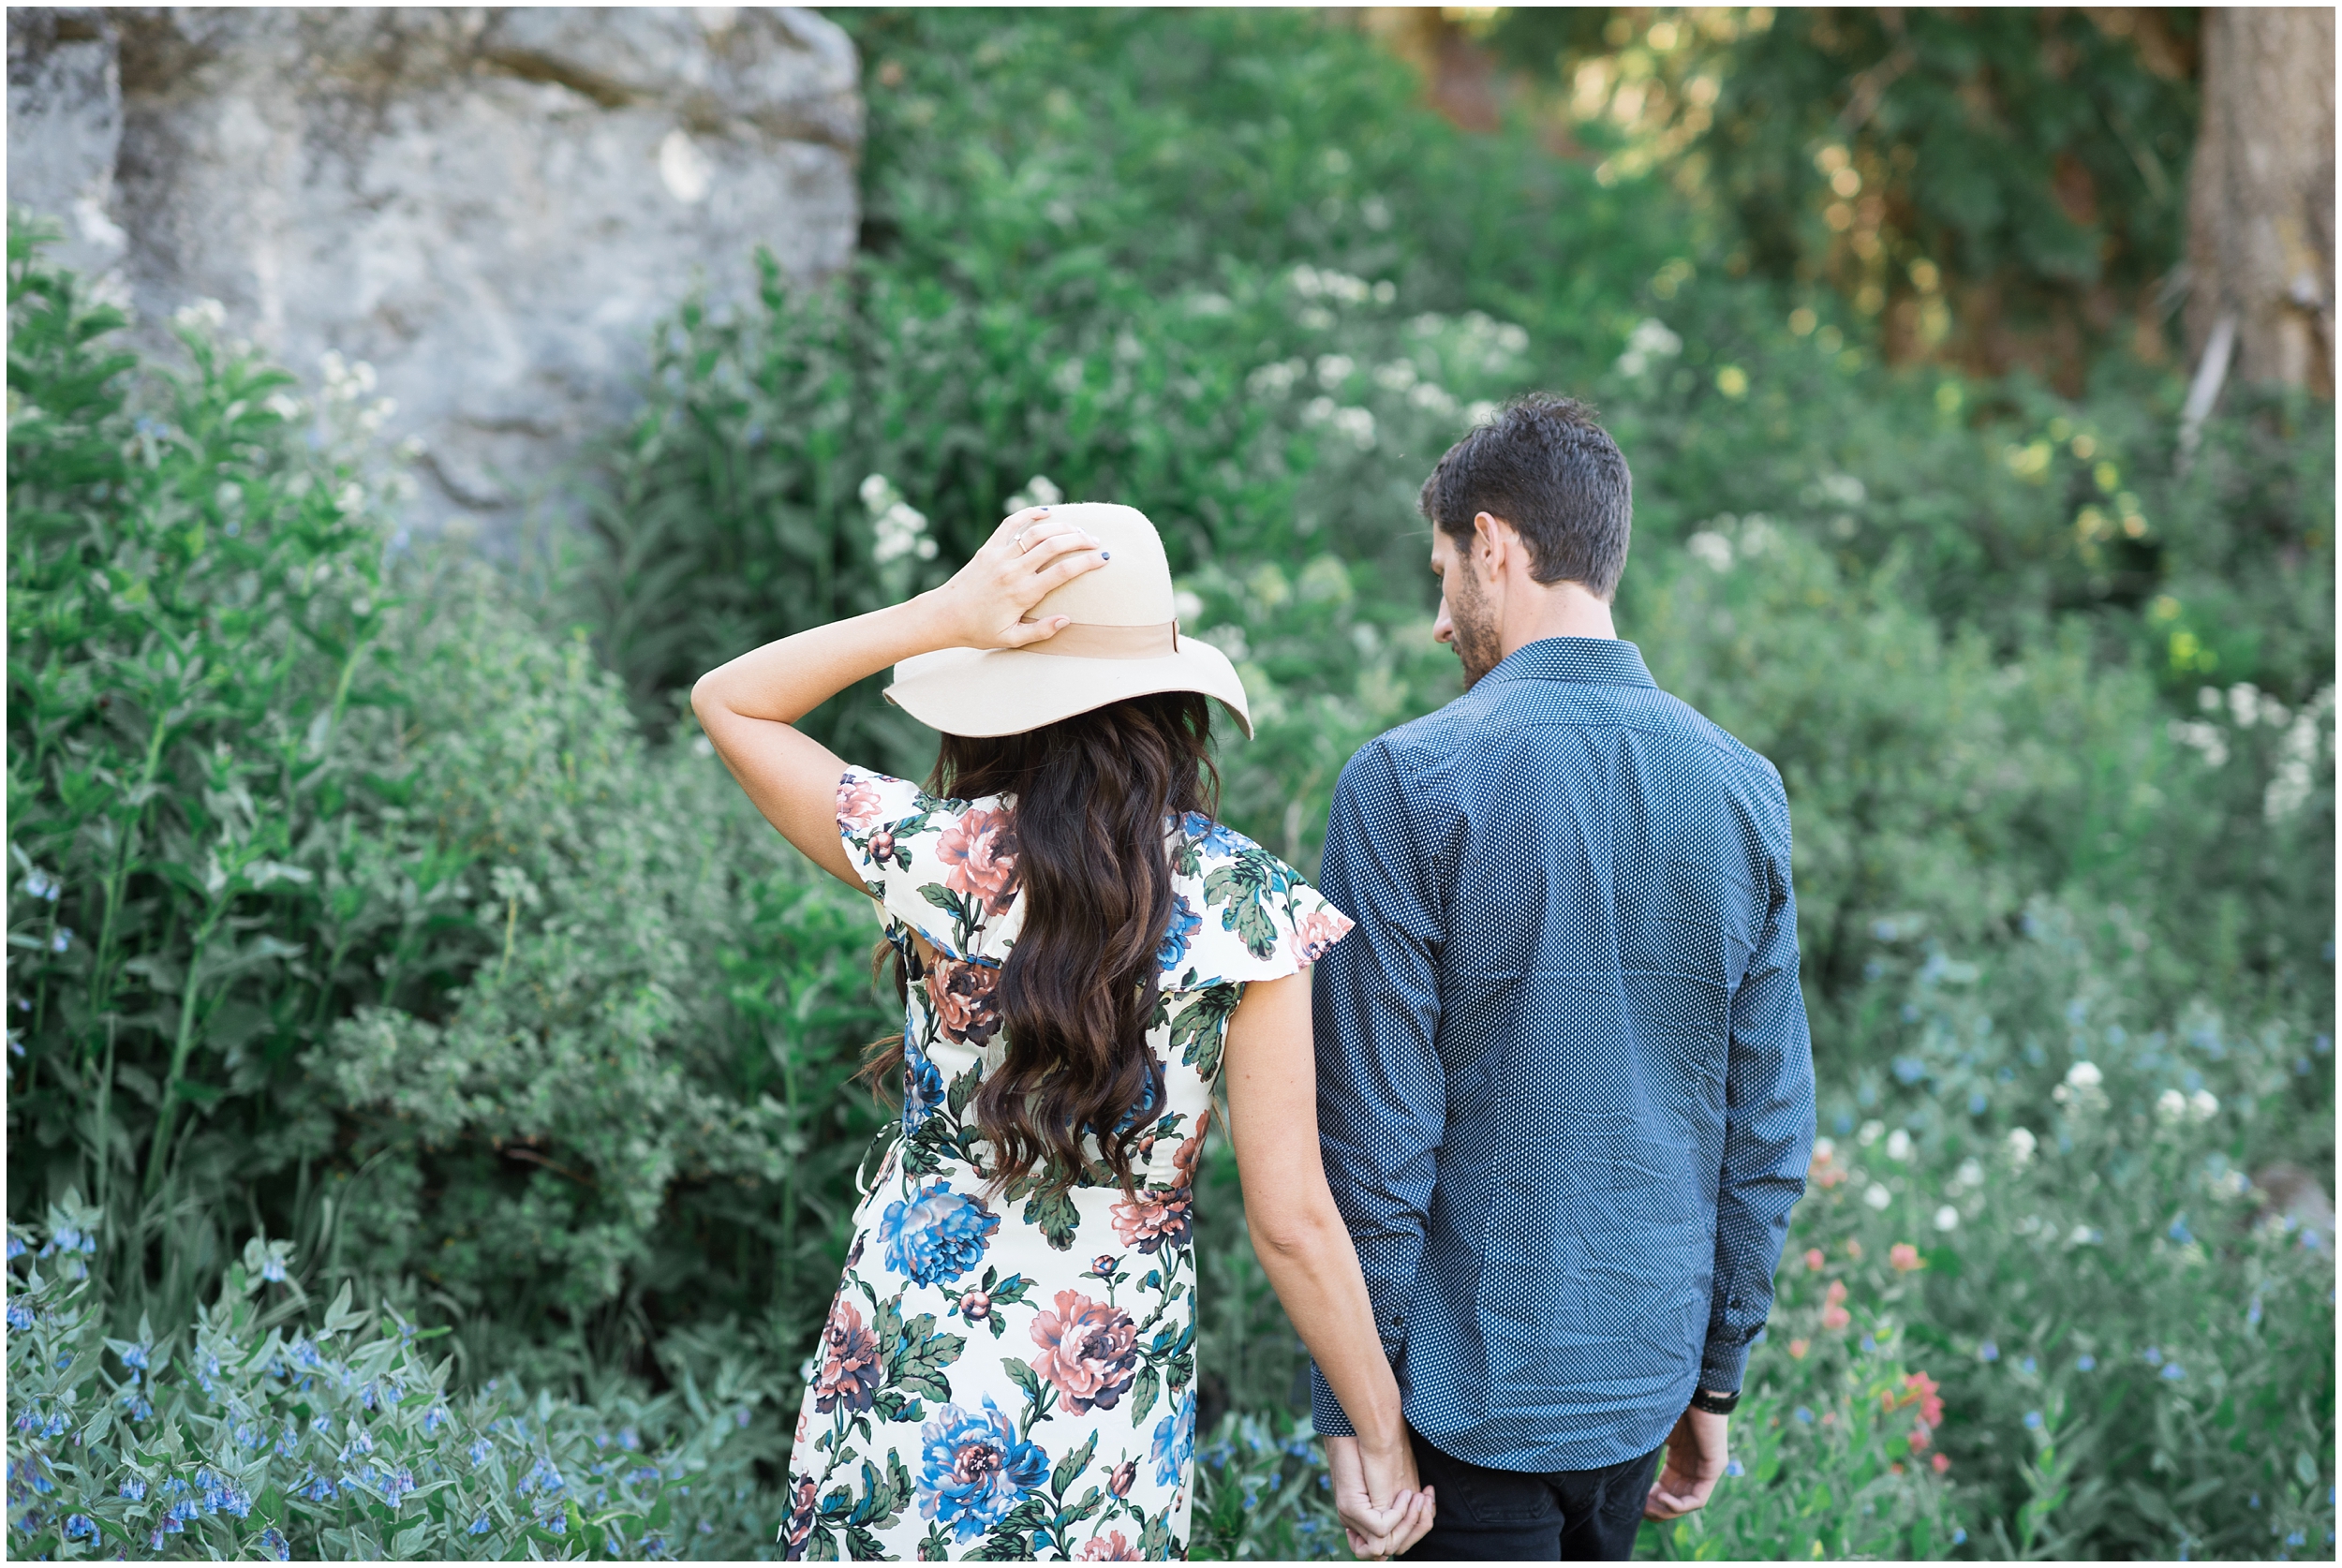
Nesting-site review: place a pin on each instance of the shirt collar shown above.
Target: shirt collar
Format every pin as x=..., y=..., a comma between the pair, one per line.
x=1587, y=661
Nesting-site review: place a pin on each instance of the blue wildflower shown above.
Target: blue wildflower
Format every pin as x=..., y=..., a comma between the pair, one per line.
x=1734, y=1467
x=435, y=1418
x=272, y=1542
x=80, y=1527
x=478, y=1526
x=628, y=1439
x=1802, y=1415
x=1958, y=1536
x=134, y=1356
x=2174, y=1372
x=20, y=1316
x=134, y=1489
x=2252, y=1314
x=2033, y=1420
x=15, y=1247
x=273, y=1269
x=1988, y=1351
x=2152, y=1355
x=2029, y=1365
x=480, y=1450
x=2085, y=1363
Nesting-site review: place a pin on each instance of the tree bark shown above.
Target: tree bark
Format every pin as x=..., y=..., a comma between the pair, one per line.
x=2260, y=194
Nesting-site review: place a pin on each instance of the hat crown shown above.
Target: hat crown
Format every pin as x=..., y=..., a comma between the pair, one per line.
x=1133, y=588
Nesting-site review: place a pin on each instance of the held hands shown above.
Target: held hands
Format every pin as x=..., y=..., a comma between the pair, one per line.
x=1376, y=1492
x=985, y=602
x=1696, y=1460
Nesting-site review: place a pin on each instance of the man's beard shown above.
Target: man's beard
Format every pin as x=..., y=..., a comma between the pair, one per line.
x=1472, y=627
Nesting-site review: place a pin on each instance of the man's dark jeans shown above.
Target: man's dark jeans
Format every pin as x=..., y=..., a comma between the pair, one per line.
x=1493, y=1516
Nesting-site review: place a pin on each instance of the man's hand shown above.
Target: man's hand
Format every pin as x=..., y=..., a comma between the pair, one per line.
x=1694, y=1463
x=1404, y=1513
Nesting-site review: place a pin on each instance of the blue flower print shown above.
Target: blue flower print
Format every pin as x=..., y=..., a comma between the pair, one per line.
x=1175, y=1442
x=922, y=1083
x=1212, y=839
x=937, y=1237
x=1185, y=923
x=973, y=1469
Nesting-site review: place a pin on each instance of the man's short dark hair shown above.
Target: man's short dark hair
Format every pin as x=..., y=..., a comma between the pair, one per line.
x=1545, y=466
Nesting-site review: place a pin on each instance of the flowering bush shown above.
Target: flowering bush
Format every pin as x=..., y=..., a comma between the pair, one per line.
x=271, y=1431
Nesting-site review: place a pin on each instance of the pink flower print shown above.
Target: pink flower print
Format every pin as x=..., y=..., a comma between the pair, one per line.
x=1124, y=1475
x=975, y=1306
x=961, y=996
x=859, y=803
x=979, y=848
x=1317, y=931
x=1110, y=1548
x=848, y=1373
x=1904, y=1258
x=1089, y=1352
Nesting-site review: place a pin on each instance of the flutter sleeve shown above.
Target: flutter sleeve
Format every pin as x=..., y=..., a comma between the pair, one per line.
x=1242, y=914
x=946, y=868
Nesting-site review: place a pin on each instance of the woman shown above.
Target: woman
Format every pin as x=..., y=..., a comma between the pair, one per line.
x=1007, y=1369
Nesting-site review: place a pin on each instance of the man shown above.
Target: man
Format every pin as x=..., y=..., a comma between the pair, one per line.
x=1564, y=1087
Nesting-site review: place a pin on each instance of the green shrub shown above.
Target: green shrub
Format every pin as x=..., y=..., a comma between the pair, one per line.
x=349, y=909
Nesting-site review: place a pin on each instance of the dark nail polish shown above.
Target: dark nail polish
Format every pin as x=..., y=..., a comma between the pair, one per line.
x=1106, y=554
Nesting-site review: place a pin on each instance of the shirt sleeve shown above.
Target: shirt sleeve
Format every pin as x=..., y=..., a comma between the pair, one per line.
x=1768, y=1132
x=891, y=830
x=1382, y=1093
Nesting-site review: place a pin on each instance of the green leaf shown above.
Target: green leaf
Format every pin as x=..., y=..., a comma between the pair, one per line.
x=1143, y=1391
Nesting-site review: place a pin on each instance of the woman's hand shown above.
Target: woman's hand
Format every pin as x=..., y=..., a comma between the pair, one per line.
x=985, y=602
x=1382, y=1509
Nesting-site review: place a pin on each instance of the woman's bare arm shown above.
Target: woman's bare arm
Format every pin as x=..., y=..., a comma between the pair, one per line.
x=749, y=707
x=1304, y=1248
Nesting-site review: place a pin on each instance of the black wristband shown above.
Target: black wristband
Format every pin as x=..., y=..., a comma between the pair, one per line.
x=1715, y=1404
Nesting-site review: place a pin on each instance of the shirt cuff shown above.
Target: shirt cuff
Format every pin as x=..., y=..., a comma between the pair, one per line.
x=1722, y=1366
x=1325, y=1410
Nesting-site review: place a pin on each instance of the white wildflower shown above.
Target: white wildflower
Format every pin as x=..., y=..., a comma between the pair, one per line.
x=1872, y=1132
x=1039, y=492
x=1877, y=1196
x=1333, y=370
x=900, y=528
x=2171, y=1104
x=1480, y=413
x=1432, y=398
x=1650, y=340
x=1898, y=1145
x=2205, y=739
x=2084, y=1076
x=1358, y=424
x=1395, y=377
x=1970, y=1173
x=2297, y=758
x=2204, y=1104
x=2022, y=1144
x=1274, y=380
x=1947, y=1219
x=1711, y=548
x=206, y=316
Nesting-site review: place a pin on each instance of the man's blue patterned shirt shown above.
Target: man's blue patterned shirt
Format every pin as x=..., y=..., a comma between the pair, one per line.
x=1565, y=1085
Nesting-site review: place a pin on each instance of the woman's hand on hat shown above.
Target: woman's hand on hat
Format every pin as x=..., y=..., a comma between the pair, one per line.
x=1028, y=555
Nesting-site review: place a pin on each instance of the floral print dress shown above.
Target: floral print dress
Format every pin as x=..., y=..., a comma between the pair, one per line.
x=1011, y=1374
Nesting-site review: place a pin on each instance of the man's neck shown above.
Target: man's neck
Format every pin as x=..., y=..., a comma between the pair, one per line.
x=1535, y=611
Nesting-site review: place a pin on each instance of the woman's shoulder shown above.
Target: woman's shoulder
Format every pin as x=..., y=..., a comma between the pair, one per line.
x=1238, y=913
x=943, y=865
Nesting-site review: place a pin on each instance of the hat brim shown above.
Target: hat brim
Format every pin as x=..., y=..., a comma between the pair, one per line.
x=1006, y=692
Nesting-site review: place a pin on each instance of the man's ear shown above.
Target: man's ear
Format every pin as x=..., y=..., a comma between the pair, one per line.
x=1497, y=537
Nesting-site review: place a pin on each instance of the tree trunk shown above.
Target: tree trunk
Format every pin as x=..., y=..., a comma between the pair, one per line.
x=2261, y=197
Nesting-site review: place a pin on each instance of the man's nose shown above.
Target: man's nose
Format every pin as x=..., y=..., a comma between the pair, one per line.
x=1443, y=628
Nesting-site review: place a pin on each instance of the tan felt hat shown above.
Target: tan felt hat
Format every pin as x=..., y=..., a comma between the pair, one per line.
x=1125, y=640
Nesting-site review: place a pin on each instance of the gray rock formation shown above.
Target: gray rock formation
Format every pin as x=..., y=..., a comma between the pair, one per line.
x=490, y=206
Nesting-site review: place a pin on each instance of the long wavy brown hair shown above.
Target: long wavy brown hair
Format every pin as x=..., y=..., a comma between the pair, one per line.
x=1089, y=798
